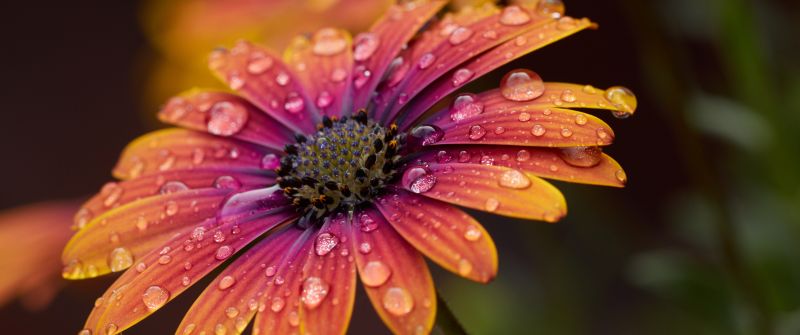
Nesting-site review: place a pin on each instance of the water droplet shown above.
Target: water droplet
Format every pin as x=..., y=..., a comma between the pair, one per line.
x=120, y=259
x=366, y=223
x=154, y=297
x=325, y=243
x=270, y=271
x=428, y=134
x=259, y=63
x=568, y=96
x=476, y=132
x=581, y=156
x=418, y=180
x=521, y=85
x=523, y=155
x=231, y=312
x=362, y=75
x=398, y=301
x=472, y=234
x=112, y=192
x=465, y=106
x=364, y=248
x=459, y=35
x=226, y=282
x=566, y=23
x=226, y=119
x=85, y=332
x=111, y=329
x=223, y=252
x=375, y=274
x=172, y=187
x=164, y=259
x=491, y=204
x=499, y=130
x=227, y=183
x=338, y=75
x=464, y=267
x=282, y=79
x=219, y=237
x=294, y=103
x=514, y=16
x=328, y=42
x=566, y=132
x=581, y=119
x=171, y=208
x=235, y=81
x=514, y=179
x=551, y=8
x=623, y=99
x=270, y=162
x=464, y=156
x=399, y=71
x=461, y=76
x=426, y=60
x=589, y=89
x=365, y=46
x=324, y=99
x=220, y=329
x=277, y=304
x=621, y=176
x=314, y=292
x=524, y=117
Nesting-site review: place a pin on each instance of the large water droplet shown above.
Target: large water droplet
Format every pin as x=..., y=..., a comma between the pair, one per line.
x=226, y=119
x=398, y=301
x=514, y=179
x=427, y=134
x=366, y=45
x=418, y=180
x=328, y=42
x=325, y=243
x=154, y=297
x=375, y=274
x=314, y=292
x=465, y=106
x=514, y=16
x=581, y=156
x=521, y=85
x=623, y=99
x=120, y=259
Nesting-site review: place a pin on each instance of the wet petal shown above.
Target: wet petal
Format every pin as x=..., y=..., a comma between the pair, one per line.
x=494, y=189
x=179, y=149
x=118, y=237
x=541, y=35
x=253, y=203
x=444, y=233
x=227, y=115
x=324, y=65
x=261, y=77
x=394, y=274
x=231, y=310
x=166, y=272
x=594, y=168
x=392, y=32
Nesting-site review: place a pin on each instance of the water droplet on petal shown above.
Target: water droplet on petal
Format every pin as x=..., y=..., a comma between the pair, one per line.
x=464, y=156
x=581, y=156
x=338, y=75
x=461, y=76
x=112, y=192
x=172, y=187
x=294, y=103
x=227, y=183
x=282, y=79
x=623, y=99
x=325, y=243
x=566, y=23
x=472, y=234
x=398, y=301
x=459, y=35
x=418, y=180
x=314, y=292
x=523, y=155
x=171, y=208
x=568, y=96
x=111, y=329
x=277, y=304
x=365, y=46
x=324, y=99
x=476, y=132
x=514, y=16
x=223, y=252
x=465, y=106
x=524, y=117
x=551, y=8
x=364, y=248
x=566, y=132
x=514, y=179
x=428, y=134
x=581, y=119
x=120, y=259
x=154, y=297
x=491, y=204
x=226, y=282
x=621, y=176
x=85, y=332
x=226, y=119
x=426, y=60
x=464, y=267
x=328, y=42
x=521, y=85
x=375, y=274
x=361, y=76
x=366, y=223
x=259, y=63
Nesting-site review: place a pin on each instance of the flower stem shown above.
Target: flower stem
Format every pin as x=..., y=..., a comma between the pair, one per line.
x=446, y=322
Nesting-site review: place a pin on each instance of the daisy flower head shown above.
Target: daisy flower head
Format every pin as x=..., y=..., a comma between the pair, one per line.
x=333, y=162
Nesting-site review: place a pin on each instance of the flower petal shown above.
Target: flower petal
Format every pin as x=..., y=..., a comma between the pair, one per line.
x=540, y=36
x=180, y=149
x=324, y=65
x=577, y=165
x=394, y=274
x=444, y=233
x=391, y=32
x=166, y=272
x=113, y=240
x=261, y=77
x=231, y=310
x=524, y=124
x=225, y=114
x=488, y=188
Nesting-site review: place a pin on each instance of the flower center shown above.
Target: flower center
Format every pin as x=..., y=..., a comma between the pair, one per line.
x=346, y=162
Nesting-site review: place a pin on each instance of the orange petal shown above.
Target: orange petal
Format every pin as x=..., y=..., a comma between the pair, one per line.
x=166, y=272
x=577, y=165
x=115, y=239
x=231, y=310
x=494, y=189
x=444, y=233
x=394, y=274
x=179, y=149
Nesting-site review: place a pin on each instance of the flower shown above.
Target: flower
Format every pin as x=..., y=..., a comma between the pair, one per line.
x=328, y=164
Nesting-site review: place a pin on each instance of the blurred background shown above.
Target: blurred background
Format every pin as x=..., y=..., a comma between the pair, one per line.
x=704, y=240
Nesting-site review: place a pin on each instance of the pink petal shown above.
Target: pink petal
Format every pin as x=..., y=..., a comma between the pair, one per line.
x=226, y=115
x=324, y=65
x=392, y=32
x=488, y=188
x=113, y=240
x=490, y=60
x=166, y=272
x=594, y=168
x=179, y=149
x=232, y=309
x=261, y=77
x=444, y=233
x=394, y=274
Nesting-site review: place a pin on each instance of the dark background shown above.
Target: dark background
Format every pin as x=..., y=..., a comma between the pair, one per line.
x=703, y=240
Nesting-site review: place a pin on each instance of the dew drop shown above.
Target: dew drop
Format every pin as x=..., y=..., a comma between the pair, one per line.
x=566, y=23
x=282, y=79
x=173, y=187
x=324, y=99
x=418, y=180
x=524, y=117
x=551, y=8
x=112, y=192
x=226, y=282
x=277, y=304
x=325, y=243
x=270, y=162
x=365, y=46
x=154, y=297
x=223, y=252
x=568, y=96
x=398, y=301
x=111, y=329
x=623, y=99
x=459, y=35
x=523, y=155
x=580, y=119
x=461, y=76
x=464, y=267
x=338, y=75
x=521, y=85
x=270, y=271
x=464, y=156
x=476, y=132
x=621, y=176
x=231, y=312
x=514, y=179
x=227, y=183
x=364, y=248
x=581, y=156
x=366, y=223
x=428, y=134
x=514, y=16
x=375, y=274
x=120, y=259
x=426, y=60
x=491, y=204
x=294, y=103
x=566, y=132
x=362, y=75
x=171, y=208
x=465, y=106
x=314, y=292
x=472, y=234
x=226, y=119
x=259, y=63
x=328, y=42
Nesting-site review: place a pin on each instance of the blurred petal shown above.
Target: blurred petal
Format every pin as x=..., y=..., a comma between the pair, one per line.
x=324, y=64
x=115, y=239
x=179, y=149
x=231, y=310
x=540, y=36
x=394, y=274
x=166, y=272
x=444, y=233
x=261, y=77
x=494, y=189
x=225, y=114
x=391, y=32
x=31, y=239
x=577, y=165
